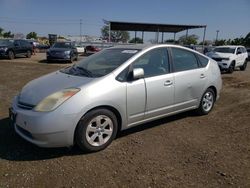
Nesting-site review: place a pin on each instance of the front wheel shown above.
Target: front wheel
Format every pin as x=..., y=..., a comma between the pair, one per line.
x=244, y=66
x=11, y=55
x=207, y=102
x=28, y=55
x=96, y=130
x=231, y=68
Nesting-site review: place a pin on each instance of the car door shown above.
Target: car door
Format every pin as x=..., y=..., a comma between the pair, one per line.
x=239, y=57
x=158, y=83
x=17, y=47
x=190, y=79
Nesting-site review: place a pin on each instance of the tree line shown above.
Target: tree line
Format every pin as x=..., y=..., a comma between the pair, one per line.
x=8, y=34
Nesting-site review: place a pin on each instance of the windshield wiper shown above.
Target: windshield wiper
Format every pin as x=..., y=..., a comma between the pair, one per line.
x=83, y=70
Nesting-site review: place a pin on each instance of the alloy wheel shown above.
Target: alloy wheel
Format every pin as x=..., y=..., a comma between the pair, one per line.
x=99, y=130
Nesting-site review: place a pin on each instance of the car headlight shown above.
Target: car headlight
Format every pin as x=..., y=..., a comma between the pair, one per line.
x=67, y=52
x=4, y=48
x=54, y=100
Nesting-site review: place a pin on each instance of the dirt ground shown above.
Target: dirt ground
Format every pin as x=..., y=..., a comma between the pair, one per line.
x=180, y=151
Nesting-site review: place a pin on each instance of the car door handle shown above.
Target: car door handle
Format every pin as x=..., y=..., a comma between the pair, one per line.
x=202, y=76
x=168, y=83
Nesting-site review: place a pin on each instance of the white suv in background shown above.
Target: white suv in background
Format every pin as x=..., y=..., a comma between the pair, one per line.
x=230, y=57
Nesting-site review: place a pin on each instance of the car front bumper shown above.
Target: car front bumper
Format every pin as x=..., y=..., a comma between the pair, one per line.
x=62, y=57
x=44, y=129
x=224, y=64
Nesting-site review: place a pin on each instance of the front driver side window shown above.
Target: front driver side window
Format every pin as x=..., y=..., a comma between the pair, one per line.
x=154, y=62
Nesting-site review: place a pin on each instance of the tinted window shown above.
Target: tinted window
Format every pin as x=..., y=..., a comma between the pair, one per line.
x=62, y=45
x=203, y=60
x=183, y=60
x=154, y=62
x=225, y=50
x=24, y=43
x=5, y=42
x=243, y=50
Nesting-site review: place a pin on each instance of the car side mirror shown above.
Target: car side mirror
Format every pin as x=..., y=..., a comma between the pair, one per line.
x=138, y=73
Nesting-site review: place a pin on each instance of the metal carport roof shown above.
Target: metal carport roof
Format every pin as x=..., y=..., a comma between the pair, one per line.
x=151, y=27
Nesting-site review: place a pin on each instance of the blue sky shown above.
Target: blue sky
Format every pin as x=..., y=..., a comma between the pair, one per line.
x=230, y=17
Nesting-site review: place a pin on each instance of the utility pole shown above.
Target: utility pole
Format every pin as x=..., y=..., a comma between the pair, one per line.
x=217, y=33
x=80, y=30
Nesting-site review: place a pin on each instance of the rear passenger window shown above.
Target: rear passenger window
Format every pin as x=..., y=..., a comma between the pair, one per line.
x=183, y=60
x=203, y=60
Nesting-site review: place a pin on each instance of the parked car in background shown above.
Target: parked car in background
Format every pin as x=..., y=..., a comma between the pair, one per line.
x=91, y=50
x=248, y=53
x=230, y=57
x=113, y=90
x=11, y=48
x=62, y=51
x=80, y=48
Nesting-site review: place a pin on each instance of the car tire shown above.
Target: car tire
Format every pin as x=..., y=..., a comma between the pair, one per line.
x=244, y=66
x=28, y=55
x=231, y=68
x=207, y=102
x=71, y=59
x=96, y=130
x=11, y=55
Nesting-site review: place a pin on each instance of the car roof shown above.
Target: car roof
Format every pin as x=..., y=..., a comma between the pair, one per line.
x=143, y=46
x=229, y=46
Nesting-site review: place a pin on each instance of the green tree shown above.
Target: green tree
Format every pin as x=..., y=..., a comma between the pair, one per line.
x=8, y=35
x=31, y=35
x=170, y=41
x=247, y=40
x=220, y=42
x=116, y=36
x=238, y=41
x=1, y=32
x=136, y=40
x=187, y=40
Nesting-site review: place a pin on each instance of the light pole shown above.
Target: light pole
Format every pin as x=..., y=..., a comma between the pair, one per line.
x=80, y=30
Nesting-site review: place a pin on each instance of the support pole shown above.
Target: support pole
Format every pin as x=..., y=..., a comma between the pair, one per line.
x=186, y=34
x=174, y=37
x=204, y=36
x=142, y=36
x=162, y=36
x=109, y=32
x=80, y=30
x=135, y=37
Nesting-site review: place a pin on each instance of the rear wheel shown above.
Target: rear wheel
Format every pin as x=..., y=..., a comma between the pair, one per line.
x=71, y=59
x=231, y=67
x=207, y=102
x=244, y=66
x=96, y=130
x=11, y=55
x=28, y=55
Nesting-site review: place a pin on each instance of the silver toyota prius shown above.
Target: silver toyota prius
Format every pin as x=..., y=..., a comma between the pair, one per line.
x=115, y=89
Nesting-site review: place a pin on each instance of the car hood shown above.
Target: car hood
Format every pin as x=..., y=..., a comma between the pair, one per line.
x=59, y=49
x=36, y=90
x=219, y=55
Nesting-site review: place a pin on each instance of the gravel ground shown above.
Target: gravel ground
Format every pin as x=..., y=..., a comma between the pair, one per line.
x=180, y=151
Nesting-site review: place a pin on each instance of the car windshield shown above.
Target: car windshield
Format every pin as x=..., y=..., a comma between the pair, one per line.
x=102, y=63
x=5, y=42
x=225, y=50
x=62, y=45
